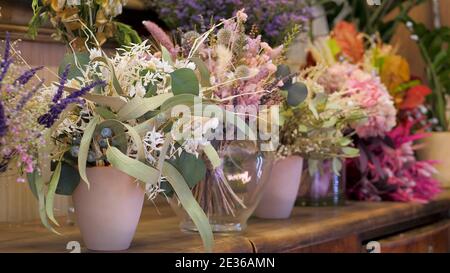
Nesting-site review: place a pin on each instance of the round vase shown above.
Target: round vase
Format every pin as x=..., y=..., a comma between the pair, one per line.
x=281, y=192
x=108, y=212
x=230, y=193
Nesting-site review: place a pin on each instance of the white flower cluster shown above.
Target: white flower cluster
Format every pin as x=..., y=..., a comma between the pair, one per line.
x=135, y=68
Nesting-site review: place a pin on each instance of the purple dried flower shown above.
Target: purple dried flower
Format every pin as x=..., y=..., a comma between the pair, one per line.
x=84, y=90
x=56, y=109
x=59, y=91
x=6, y=61
x=3, y=125
x=27, y=75
x=52, y=115
x=273, y=17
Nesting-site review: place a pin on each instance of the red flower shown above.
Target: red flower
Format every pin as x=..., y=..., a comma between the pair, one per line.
x=415, y=96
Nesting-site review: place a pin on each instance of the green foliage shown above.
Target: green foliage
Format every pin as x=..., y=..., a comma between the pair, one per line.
x=74, y=60
x=68, y=180
x=126, y=35
x=192, y=169
x=435, y=50
x=297, y=93
x=184, y=81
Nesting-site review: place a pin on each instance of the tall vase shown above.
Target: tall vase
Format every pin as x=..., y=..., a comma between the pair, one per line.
x=281, y=192
x=437, y=148
x=109, y=210
x=230, y=193
x=323, y=187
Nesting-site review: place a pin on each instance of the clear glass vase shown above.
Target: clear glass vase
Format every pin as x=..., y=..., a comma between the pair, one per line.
x=230, y=193
x=323, y=187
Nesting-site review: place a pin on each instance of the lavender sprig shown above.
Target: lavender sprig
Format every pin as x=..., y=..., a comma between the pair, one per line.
x=3, y=125
x=56, y=109
x=6, y=61
x=59, y=91
x=81, y=92
x=27, y=75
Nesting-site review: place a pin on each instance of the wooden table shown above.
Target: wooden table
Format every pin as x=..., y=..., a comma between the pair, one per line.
x=398, y=227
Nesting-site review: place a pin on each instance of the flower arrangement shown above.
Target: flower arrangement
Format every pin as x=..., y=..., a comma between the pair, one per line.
x=391, y=98
x=318, y=128
x=76, y=21
x=273, y=19
x=20, y=106
x=238, y=70
x=116, y=112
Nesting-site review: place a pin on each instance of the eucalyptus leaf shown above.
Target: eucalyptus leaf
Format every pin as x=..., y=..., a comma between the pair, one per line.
x=132, y=167
x=51, y=193
x=32, y=180
x=192, y=169
x=136, y=141
x=115, y=103
x=297, y=93
x=80, y=58
x=205, y=78
x=184, y=81
x=138, y=106
x=212, y=155
x=105, y=112
x=166, y=55
x=190, y=205
x=350, y=151
x=84, y=147
x=283, y=72
x=68, y=180
x=40, y=189
x=181, y=99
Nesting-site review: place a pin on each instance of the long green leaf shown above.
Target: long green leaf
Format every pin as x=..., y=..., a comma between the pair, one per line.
x=212, y=155
x=40, y=187
x=136, y=140
x=132, y=167
x=51, y=193
x=84, y=148
x=115, y=103
x=166, y=55
x=189, y=203
x=138, y=106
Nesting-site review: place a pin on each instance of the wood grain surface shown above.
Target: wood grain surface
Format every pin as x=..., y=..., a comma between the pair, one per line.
x=337, y=229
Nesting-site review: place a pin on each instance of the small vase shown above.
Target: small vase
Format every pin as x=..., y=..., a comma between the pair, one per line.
x=230, y=193
x=437, y=148
x=322, y=188
x=279, y=196
x=109, y=210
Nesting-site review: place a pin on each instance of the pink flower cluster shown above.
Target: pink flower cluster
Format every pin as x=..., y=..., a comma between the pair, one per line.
x=392, y=171
x=241, y=67
x=367, y=92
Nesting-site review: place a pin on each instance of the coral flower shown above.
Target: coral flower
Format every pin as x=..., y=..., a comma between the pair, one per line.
x=350, y=41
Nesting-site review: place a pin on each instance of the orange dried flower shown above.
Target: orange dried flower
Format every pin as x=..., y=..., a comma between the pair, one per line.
x=350, y=41
x=395, y=71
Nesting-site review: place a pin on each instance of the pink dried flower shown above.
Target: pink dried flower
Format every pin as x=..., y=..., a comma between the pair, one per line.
x=366, y=91
x=160, y=36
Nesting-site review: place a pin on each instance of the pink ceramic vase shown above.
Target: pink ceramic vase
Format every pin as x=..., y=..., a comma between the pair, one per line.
x=109, y=211
x=281, y=191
